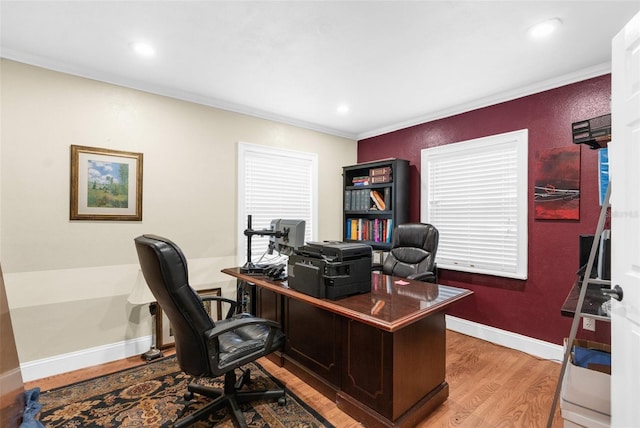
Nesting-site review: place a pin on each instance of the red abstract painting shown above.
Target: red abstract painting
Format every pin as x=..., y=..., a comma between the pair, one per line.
x=557, y=184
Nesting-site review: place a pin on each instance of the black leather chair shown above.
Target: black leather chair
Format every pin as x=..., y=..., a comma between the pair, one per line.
x=413, y=252
x=205, y=348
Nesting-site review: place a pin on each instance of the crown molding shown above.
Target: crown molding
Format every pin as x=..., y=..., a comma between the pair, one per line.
x=48, y=63
x=556, y=82
x=114, y=79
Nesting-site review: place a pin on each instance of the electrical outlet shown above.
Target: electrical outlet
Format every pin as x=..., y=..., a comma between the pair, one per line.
x=589, y=324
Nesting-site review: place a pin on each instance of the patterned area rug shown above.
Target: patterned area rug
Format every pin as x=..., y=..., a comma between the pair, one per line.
x=152, y=396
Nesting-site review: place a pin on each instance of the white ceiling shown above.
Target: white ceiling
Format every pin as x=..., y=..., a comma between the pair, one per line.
x=394, y=63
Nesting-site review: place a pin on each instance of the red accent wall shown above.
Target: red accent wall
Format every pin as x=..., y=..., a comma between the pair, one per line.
x=530, y=307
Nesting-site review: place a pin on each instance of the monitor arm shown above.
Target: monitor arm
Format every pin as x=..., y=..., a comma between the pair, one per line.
x=249, y=232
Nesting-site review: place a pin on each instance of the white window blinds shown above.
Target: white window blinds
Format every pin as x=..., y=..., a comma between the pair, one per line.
x=475, y=193
x=274, y=183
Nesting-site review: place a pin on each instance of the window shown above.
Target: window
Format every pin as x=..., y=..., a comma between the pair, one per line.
x=274, y=183
x=475, y=193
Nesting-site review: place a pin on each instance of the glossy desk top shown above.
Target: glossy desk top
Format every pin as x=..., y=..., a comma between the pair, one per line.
x=392, y=303
x=592, y=305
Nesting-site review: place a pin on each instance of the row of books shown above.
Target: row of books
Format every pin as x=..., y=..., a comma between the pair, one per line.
x=362, y=229
x=376, y=176
x=367, y=199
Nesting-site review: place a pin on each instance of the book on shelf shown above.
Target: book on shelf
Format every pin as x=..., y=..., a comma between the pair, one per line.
x=363, y=200
x=351, y=200
x=376, y=231
x=377, y=179
x=347, y=200
x=370, y=203
x=387, y=197
x=386, y=170
x=361, y=181
x=378, y=200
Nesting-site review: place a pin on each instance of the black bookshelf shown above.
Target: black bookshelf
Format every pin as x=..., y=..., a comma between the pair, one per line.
x=369, y=222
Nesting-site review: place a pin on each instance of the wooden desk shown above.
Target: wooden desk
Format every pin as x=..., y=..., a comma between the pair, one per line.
x=379, y=355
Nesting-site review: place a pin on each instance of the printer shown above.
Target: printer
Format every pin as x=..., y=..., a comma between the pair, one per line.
x=330, y=269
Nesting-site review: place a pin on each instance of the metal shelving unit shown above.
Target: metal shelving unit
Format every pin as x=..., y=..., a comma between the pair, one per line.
x=579, y=314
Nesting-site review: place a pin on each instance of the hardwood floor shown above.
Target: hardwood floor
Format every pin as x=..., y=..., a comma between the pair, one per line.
x=490, y=386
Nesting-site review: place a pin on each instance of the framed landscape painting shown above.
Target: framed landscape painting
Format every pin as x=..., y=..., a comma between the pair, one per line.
x=557, y=184
x=105, y=184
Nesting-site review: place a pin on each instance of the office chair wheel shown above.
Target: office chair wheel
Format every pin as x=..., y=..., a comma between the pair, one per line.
x=188, y=395
x=282, y=401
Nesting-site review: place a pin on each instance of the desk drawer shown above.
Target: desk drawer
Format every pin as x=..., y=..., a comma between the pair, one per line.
x=311, y=338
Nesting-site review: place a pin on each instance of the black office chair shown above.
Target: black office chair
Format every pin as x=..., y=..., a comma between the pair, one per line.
x=413, y=252
x=205, y=348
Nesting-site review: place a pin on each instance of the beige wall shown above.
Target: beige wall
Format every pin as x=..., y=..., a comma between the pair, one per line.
x=68, y=281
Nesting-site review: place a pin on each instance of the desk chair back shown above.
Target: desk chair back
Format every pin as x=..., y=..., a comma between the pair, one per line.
x=413, y=252
x=165, y=269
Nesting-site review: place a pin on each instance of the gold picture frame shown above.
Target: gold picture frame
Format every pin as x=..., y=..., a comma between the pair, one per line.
x=164, y=332
x=105, y=184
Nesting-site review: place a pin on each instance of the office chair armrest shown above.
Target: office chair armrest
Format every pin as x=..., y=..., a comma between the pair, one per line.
x=236, y=323
x=236, y=341
x=233, y=304
x=423, y=276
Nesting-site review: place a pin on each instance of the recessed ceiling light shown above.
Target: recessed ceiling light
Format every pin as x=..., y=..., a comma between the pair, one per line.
x=545, y=28
x=343, y=109
x=143, y=49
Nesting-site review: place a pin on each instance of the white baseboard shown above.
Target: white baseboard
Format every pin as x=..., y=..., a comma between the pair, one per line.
x=529, y=345
x=46, y=367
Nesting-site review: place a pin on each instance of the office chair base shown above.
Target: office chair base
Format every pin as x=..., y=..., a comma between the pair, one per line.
x=230, y=396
